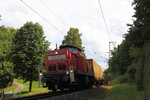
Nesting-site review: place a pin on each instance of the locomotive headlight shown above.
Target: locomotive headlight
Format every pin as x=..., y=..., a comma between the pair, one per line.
x=67, y=72
x=71, y=69
x=56, y=52
x=41, y=74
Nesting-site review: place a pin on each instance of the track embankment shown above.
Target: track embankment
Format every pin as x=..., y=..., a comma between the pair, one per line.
x=99, y=93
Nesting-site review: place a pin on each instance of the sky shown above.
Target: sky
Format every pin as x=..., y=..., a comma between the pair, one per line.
x=57, y=16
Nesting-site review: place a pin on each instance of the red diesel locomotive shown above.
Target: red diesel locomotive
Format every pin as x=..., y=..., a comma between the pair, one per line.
x=67, y=68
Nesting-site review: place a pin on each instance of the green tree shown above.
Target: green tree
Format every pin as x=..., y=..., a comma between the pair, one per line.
x=120, y=59
x=137, y=63
x=142, y=41
x=73, y=38
x=6, y=67
x=138, y=39
x=28, y=51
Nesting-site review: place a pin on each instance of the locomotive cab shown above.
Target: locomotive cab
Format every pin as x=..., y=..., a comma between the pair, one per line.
x=61, y=65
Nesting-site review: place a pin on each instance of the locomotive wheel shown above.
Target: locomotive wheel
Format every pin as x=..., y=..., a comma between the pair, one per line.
x=74, y=88
x=71, y=88
x=55, y=87
x=49, y=88
x=77, y=87
x=54, y=90
x=61, y=89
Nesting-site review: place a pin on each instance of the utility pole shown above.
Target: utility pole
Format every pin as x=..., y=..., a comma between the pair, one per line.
x=109, y=75
x=110, y=51
x=0, y=17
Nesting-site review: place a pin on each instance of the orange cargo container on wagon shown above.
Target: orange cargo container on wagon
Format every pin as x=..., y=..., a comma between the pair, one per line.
x=96, y=69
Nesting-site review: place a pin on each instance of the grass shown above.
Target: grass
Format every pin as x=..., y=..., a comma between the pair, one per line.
x=125, y=91
x=117, y=91
x=35, y=89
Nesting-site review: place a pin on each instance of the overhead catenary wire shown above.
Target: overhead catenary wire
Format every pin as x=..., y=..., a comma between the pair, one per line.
x=50, y=10
x=106, y=28
x=95, y=53
x=42, y=17
x=104, y=19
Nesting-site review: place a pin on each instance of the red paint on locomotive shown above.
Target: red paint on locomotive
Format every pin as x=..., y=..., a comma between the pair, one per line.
x=66, y=56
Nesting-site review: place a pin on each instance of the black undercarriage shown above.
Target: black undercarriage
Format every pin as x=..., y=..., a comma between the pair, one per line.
x=61, y=80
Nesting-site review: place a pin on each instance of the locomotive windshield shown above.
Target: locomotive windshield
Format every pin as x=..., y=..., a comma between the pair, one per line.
x=56, y=57
x=73, y=50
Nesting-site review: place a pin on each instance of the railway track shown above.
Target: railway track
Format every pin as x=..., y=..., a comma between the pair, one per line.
x=45, y=95
x=41, y=96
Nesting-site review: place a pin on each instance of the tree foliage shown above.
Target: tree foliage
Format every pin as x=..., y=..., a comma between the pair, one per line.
x=73, y=38
x=29, y=51
x=121, y=60
x=137, y=53
x=6, y=67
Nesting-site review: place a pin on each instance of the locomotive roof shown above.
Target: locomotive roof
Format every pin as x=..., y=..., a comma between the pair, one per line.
x=64, y=46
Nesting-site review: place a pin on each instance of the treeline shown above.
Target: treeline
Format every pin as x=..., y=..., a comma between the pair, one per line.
x=6, y=36
x=22, y=53
x=131, y=58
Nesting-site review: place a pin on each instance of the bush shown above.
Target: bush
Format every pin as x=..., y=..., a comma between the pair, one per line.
x=123, y=78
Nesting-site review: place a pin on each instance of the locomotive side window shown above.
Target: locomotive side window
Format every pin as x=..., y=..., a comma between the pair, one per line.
x=56, y=57
x=82, y=54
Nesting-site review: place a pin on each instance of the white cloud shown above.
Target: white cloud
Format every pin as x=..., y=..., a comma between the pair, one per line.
x=83, y=14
